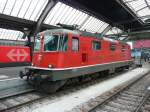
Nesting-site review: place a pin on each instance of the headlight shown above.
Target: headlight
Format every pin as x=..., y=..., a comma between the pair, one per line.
x=49, y=66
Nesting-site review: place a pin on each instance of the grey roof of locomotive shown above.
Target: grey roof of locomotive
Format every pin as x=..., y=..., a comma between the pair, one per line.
x=80, y=33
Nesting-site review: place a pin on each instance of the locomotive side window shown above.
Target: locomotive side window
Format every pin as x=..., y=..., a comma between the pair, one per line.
x=75, y=44
x=96, y=45
x=112, y=47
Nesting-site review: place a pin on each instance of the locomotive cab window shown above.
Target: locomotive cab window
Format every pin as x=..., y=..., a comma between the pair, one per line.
x=96, y=45
x=112, y=47
x=75, y=44
x=51, y=42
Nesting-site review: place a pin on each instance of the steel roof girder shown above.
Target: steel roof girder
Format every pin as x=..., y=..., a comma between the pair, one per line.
x=147, y=4
x=128, y=9
x=48, y=7
x=106, y=29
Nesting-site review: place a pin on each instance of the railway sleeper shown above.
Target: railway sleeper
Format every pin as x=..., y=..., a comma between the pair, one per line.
x=120, y=106
x=129, y=99
x=146, y=107
x=125, y=102
x=130, y=95
x=111, y=108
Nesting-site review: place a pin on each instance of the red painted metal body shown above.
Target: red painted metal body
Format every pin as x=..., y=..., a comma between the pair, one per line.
x=141, y=44
x=85, y=56
x=14, y=54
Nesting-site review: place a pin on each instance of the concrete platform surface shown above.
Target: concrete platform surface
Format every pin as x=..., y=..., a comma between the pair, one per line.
x=10, y=72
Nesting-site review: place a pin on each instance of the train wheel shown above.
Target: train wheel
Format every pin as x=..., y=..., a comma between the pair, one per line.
x=51, y=87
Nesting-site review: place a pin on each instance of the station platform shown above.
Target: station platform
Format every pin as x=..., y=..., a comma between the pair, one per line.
x=10, y=72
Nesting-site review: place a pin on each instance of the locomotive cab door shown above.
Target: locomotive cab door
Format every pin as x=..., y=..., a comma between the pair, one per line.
x=75, y=51
x=79, y=54
x=84, y=51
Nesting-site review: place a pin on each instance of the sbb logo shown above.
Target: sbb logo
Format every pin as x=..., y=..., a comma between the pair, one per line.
x=17, y=55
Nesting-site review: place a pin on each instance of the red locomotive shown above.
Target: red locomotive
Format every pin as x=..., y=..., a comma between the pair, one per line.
x=14, y=55
x=61, y=54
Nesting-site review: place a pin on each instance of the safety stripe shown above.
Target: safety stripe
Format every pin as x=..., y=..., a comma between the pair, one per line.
x=53, y=69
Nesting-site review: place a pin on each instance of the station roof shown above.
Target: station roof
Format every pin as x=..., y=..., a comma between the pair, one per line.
x=141, y=8
x=29, y=11
x=25, y=9
x=6, y=34
x=62, y=13
x=108, y=17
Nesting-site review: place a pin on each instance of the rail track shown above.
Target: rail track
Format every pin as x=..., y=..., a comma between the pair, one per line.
x=18, y=100
x=132, y=98
x=15, y=101
x=145, y=104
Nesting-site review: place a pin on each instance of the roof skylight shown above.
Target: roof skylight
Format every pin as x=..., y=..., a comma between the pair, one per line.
x=65, y=14
x=26, y=9
x=10, y=34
